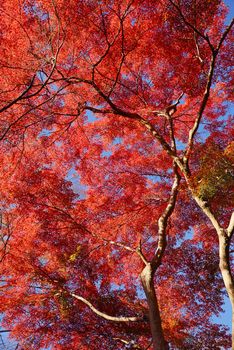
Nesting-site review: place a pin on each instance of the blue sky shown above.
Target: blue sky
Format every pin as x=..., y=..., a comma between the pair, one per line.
x=230, y=4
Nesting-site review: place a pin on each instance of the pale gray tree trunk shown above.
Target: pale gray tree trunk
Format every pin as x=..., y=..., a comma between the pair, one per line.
x=147, y=276
x=224, y=236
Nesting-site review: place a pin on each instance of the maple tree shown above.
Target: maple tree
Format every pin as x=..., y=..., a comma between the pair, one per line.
x=116, y=173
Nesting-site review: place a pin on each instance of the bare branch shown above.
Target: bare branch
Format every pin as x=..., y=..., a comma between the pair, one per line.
x=230, y=229
x=170, y=110
x=197, y=49
x=206, y=95
x=84, y=228
x=27, y=112
x=225, y=33
x=163, y=220
x=141, y=255
x=109, y=46
x=190, y=25
x=206, y=210
x=103, y=315
x=196, y=124
x=135, y=116
x=19, y=97
x=118, y=244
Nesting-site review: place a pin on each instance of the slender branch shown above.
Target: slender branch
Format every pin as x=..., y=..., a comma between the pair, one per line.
x=118, y=244
x=196, y=124
x=122, y=340
x=135, y=116
x=163, y=220
x=103, y=315
x=109, y=46
x=230, y=229
x=197, y=49
x=27, y=112
x=141, y=255
x=205, y=208
x=19, y=97
x=95, y=235
x=170, y=110
x=24, y=95
x=206, y=95
x=225, y=33
x=190, y=25
x=148, y=346
x=123, y=53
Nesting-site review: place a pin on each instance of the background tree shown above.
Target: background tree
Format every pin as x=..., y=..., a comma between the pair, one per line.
x=104, y=174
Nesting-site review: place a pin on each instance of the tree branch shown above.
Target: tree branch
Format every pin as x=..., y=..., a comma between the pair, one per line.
x=206, y=210
x=135, y=116
x=230, y=228
x=225, y=33
x=206, y=95
x=19, y=97
x=190, y=25
x=141, y=255
x=103, y=315
x=163, y=220
x=196, y=124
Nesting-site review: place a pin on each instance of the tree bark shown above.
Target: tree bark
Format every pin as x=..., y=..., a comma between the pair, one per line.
x=159, y=342
x=225, y=236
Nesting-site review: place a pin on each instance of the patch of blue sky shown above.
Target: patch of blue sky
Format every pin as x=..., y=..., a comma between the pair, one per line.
x=106, y=154
x=203, y=133
x=46, y=132
x=159, y=178
x=77, y=187
x=146, y=79
x=90, y=117
x=153, y=178
x=140, y=292
x=180, y=145
x=117, y=287
x=37, y=11
x=98, y=282
x=225, y=316
x=5, y=342
x=58, y=143
x=188, y=236
x=43, y=77
x=230, y=15
x=117, y=140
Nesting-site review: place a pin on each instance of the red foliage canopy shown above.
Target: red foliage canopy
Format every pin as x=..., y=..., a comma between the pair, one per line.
x=103, y=165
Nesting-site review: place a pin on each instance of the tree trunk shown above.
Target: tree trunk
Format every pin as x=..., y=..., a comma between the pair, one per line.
x=159, y=342
x=225, y=269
